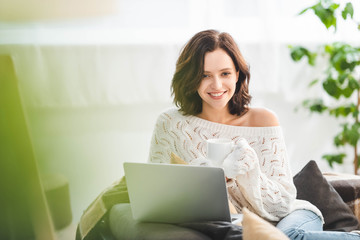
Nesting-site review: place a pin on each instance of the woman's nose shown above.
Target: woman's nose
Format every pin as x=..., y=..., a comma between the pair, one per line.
x=216, y=83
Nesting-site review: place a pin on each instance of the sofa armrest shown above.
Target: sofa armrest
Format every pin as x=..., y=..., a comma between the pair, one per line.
x=348, y=187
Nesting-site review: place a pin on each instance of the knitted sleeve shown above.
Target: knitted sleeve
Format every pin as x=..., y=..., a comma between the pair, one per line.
x=162, y=141
x=171, y=135
x=261, y=177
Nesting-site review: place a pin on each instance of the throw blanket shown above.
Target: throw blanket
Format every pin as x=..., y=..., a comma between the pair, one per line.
x=116, y=193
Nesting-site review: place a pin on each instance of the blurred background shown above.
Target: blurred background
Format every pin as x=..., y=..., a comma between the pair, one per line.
x=94, y=75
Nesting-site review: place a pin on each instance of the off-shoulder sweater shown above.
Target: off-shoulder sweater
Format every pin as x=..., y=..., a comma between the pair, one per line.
x=260, y=175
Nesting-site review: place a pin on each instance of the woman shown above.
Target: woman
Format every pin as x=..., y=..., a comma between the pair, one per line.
x=210, y=89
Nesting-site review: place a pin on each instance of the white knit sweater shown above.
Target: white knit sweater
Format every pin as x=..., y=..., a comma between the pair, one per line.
x=261, y=179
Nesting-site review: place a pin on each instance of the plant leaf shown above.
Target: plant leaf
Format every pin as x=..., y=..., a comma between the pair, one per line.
x=298, y=52
x=331, y=87
x=347, y=92
x=348, y=10
x=329, y=48
x=311, y=58
x=343, y=110
x=339, y=140
x=315, y=105
x=342, y=78
x=334, y=158
x=352, y=134
x=326, y=14
x=313, y=82
x=353, y=84
x=343, y=56
x=303, y=11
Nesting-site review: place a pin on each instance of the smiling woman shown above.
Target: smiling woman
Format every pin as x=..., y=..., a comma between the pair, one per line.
x=216, y=106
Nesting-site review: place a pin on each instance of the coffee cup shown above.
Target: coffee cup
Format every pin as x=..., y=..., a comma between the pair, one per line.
x=218, y=149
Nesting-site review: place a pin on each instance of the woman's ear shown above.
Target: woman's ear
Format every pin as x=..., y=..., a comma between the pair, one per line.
x=237, y=76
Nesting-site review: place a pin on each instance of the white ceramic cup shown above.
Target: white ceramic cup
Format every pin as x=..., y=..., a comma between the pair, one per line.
x=218, y=149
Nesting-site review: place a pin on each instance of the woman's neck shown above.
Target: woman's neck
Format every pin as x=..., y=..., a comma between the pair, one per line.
x=219, y=116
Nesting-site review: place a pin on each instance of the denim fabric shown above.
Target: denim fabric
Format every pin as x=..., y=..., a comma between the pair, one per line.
x=306, y=225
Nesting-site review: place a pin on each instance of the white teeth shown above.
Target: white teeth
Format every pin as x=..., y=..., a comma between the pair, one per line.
x=216, y=94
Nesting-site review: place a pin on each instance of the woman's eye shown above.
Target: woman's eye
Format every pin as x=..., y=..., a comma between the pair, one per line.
x=205, y=76
x=226, y=73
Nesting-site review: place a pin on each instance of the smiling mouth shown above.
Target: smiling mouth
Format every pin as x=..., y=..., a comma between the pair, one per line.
x=218, y=94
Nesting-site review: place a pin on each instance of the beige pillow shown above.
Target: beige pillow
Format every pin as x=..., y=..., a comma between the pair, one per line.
x=175, y=159
x=256, y=228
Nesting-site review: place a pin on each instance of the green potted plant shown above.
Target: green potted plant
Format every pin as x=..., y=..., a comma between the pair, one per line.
x=341, y=79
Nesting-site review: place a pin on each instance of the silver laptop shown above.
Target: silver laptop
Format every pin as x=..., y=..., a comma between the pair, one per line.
x=170, y=193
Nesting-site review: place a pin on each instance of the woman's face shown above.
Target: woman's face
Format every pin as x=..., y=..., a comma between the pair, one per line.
x=219, y=80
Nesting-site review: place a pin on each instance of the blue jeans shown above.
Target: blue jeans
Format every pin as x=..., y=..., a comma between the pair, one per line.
x=306, y=225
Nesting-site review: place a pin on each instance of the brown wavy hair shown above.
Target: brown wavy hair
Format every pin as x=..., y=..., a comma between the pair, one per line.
x=190, y=68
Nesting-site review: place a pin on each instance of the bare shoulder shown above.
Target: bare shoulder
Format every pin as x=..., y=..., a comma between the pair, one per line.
x=262, y=117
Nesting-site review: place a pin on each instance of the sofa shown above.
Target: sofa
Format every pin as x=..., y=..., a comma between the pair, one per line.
x=336, y=195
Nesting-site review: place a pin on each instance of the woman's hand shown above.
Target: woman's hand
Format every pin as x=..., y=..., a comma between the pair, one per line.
x=240, y=160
